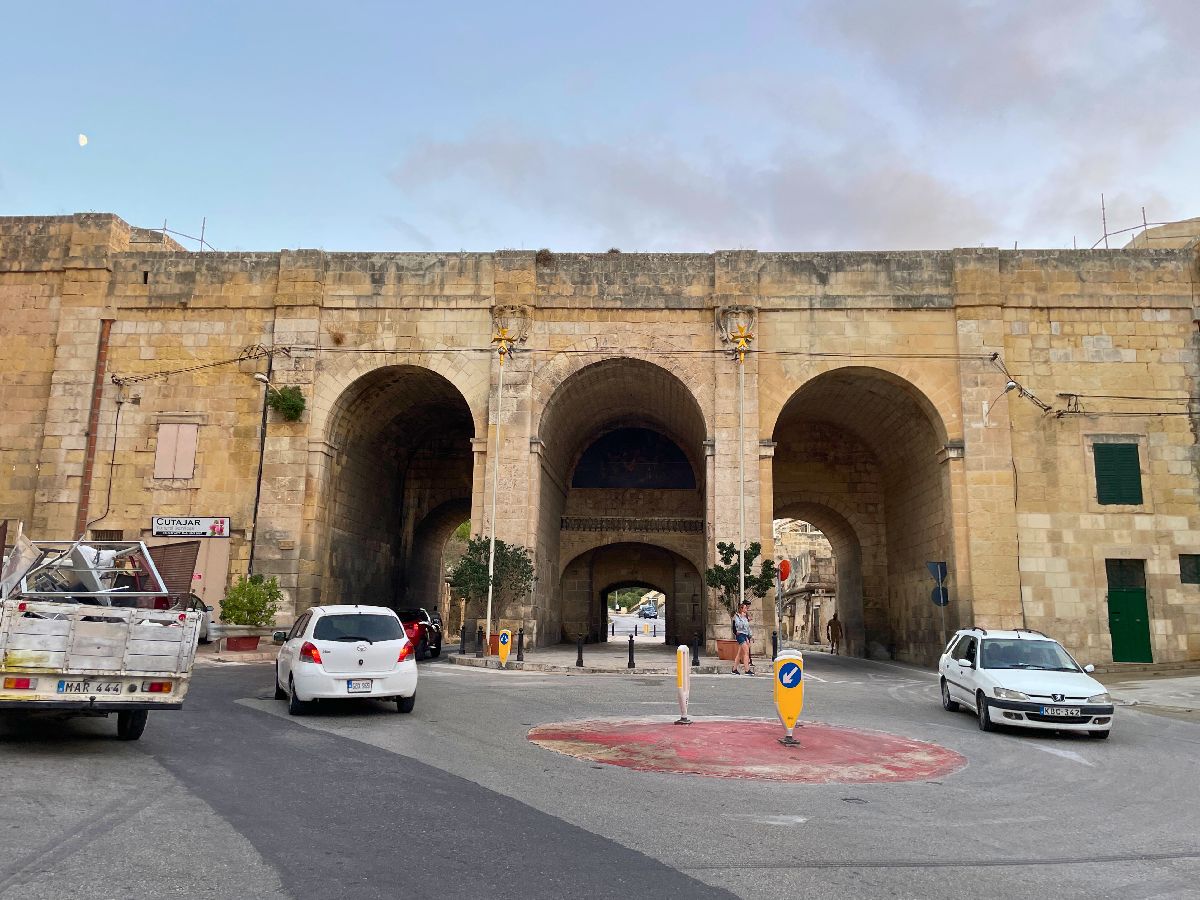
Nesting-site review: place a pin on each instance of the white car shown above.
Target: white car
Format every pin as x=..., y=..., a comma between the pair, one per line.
x=1022, y=678
x=345, y=652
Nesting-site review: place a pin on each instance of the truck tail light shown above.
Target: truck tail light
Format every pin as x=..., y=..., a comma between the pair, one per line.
x=157, y=687
x=310, y=653
x=405, y=652
x=19, y=684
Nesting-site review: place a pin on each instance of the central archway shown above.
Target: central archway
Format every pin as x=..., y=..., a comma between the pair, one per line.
x=622, y=466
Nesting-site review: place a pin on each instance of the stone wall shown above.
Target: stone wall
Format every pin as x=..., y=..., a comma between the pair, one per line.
x=874, y=408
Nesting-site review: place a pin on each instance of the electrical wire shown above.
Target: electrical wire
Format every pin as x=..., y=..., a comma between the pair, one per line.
x=112, y=463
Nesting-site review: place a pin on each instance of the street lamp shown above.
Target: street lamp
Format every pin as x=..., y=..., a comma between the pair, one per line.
x=264, y=379
x=503, y=341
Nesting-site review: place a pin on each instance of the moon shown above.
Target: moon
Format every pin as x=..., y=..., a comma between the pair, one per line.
x=83, y=140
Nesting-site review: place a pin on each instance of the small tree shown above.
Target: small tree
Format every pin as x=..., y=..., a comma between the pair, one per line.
x=252, y=601
x=287, y=401
x=513, y=573
x=724, y=576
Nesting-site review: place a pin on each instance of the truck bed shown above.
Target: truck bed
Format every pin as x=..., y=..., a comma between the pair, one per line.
x=76, y=656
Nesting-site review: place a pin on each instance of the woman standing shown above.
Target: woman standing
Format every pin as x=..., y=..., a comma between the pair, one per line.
x=741, y=628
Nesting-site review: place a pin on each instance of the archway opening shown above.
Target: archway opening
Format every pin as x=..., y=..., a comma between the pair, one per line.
x=809, y=595
x=623, y=464
x=398, y=484
x=636, y=575
x=635, y=609
x=859, y=455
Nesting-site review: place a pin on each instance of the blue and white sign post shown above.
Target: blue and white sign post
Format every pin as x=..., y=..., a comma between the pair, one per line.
x=940, y=595
x=504, y=645
x=789, y=692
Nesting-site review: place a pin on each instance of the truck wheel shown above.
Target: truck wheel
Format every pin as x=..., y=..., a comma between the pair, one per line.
x=423, y=649
x=406, y=704
x=131, y=723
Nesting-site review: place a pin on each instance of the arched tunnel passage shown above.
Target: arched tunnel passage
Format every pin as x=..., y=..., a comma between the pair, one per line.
x=624, y=464
x=858, y=454
x=588, y=579
x=399, y=483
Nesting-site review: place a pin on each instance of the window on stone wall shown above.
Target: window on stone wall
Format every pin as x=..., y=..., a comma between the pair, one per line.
x=1189, y=568
x=1118, y=474
x=108, y=534
x=175, y=451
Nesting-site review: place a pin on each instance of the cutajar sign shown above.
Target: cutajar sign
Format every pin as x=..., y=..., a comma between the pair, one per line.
x=190, y=526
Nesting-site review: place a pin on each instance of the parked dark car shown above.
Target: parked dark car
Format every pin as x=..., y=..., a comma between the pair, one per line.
x=422, y=630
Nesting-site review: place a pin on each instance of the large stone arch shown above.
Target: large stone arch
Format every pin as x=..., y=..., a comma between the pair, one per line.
x=878, y=445
x=397, y=446
x=931, y=384
x=618, y=393
x=689, y=370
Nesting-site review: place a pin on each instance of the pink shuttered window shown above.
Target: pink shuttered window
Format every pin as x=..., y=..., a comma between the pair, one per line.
x=175, y=452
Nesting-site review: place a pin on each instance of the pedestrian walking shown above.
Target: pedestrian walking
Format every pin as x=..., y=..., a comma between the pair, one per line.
x=741, y=629
x=833, y=630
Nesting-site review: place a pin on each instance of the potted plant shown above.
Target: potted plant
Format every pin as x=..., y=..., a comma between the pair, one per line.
x=512, y=579
x=725, y=578
x=250, y=607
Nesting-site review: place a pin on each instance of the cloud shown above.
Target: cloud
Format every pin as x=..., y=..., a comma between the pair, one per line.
x=927, y=124
x=656, y=196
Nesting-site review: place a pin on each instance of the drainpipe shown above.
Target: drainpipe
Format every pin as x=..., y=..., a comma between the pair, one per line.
x=89, y=454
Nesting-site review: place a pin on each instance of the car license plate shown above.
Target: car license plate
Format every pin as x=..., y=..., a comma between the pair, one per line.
x=359, y=686
x=89, y=687
x=1060, y=711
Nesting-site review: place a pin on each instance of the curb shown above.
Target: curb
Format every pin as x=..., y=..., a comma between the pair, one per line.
x=491, y=662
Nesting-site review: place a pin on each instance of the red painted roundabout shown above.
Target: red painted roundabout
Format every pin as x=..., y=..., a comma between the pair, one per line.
x=750, y=748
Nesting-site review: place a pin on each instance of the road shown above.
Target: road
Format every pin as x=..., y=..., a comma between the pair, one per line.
x=230, y=797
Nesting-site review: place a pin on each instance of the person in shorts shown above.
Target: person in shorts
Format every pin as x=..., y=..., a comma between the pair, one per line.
x=741, y=630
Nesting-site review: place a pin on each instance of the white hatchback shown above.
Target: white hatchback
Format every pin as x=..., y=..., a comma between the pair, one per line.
x=1022, y=678
x=345, y=652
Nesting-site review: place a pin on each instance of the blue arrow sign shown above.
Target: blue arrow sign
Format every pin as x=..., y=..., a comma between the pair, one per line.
x=937, y=570
x=790, y=675
x=504, y=638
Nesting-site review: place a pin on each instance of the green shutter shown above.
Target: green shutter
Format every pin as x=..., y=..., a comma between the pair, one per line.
x=1118, y=474
x=1189, y=568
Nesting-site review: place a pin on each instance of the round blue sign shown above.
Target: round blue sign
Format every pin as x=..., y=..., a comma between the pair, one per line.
x=504, y=638
x=790, y=675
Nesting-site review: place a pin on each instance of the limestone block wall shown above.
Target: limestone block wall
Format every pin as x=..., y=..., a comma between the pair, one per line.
x=902, y=357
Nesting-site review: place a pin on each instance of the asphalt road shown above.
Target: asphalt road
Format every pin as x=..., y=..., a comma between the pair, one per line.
x=230, y=797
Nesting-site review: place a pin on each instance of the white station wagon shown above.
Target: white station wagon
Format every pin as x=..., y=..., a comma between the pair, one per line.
x=340, y=652
x=1022, y=678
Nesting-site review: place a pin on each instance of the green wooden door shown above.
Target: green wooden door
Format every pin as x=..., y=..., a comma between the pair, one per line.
x=1129, y=625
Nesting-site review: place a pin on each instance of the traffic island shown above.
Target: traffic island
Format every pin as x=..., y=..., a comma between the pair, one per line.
x=750, y=748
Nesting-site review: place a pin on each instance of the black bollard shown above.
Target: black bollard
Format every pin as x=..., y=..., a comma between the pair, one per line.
x=630, y=666
x=479, y=643
x=462, y=641
x=655, y=629
x=696, y=652
x=614, y=629
x=579, y=652
x=520, y=645
x=774, y=645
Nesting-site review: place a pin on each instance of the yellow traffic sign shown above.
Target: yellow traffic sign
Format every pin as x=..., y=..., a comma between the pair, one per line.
x=505, y=644
x=789, y=690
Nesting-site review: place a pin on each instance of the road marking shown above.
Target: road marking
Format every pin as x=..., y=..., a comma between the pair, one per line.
x=809, y=676
x=1065, y=754
x=776, y=820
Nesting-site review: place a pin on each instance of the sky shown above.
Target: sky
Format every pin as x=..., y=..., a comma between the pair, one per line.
x=651, y=126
